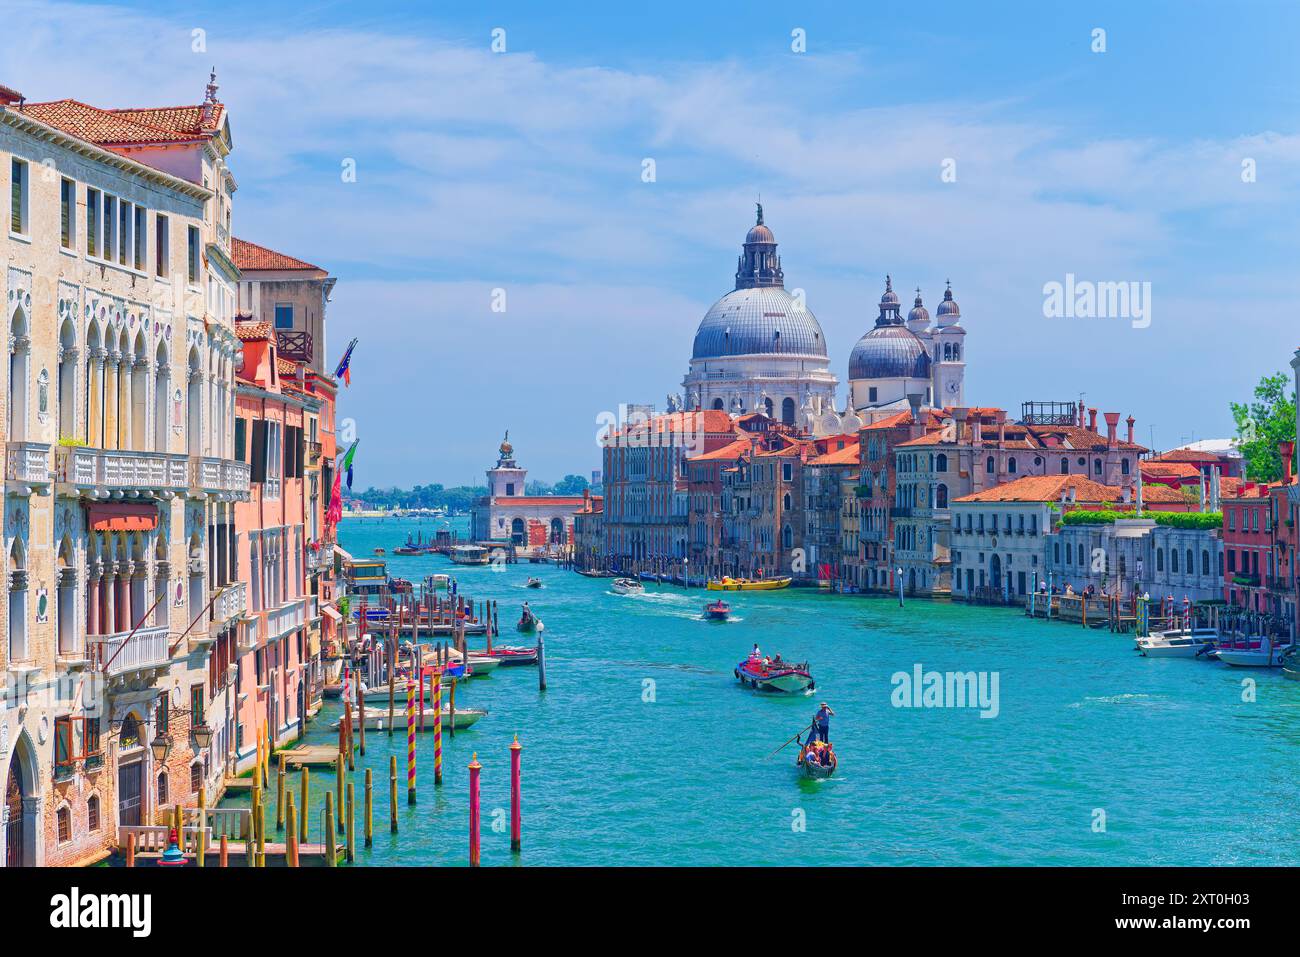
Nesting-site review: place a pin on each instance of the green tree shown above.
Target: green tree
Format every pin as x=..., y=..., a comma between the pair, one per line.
x=571, y=485
x=1263, y=423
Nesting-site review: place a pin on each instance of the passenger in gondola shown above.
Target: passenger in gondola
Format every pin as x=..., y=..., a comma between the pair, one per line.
x=777, y=662
x=755, y=653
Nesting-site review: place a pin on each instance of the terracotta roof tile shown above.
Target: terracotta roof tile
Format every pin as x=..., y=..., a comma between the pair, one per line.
x=252, y=331
x=1048, y=488
x=102, y=127
x=251, y=256
x=732, y=450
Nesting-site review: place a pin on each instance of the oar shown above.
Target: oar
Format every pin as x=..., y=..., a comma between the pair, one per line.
x=796, y=735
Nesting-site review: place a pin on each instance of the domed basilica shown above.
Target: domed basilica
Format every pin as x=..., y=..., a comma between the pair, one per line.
x=760, y=349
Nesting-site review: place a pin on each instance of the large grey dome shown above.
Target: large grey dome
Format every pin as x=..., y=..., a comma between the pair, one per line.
x=759, y=320
x=889, y=352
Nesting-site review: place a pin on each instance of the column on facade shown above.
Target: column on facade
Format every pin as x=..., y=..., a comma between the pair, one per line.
x=110, y=400
x=95, y=406
x=124, y=416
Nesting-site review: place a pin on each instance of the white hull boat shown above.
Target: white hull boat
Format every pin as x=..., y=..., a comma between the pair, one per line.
x=1176, y=644
x=377, y=718
x=1264, y=655
x=627, y=586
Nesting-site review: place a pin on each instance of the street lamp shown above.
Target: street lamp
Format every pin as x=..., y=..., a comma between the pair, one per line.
x=202, y=736
x=161, y=746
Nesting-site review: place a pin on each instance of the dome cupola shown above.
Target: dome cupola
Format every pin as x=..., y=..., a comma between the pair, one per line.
x=948, y=312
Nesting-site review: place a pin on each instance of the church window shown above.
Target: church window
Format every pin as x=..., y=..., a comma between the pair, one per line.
x=989, y=467
x=1065, y=466
x=1011, y=465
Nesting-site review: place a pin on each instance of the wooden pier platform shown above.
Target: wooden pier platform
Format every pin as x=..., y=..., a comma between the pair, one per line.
x=311, y=754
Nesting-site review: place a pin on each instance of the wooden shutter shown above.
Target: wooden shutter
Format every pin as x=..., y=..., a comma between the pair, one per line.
x=259, y=451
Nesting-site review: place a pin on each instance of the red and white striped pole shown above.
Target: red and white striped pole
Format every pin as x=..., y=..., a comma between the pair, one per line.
x=474, y=768
x=410, y=739
x=516, y=819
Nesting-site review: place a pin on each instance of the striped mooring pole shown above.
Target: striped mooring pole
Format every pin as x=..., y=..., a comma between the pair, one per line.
x=437, y=726
x=410, y=740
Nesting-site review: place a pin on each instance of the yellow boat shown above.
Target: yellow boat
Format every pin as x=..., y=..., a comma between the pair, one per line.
x=748, y=584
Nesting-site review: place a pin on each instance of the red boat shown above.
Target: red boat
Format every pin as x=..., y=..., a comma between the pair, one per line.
x=717, y=610
x=510, y=655
x=761, y=674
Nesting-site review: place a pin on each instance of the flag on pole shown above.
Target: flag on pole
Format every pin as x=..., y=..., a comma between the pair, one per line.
x=334, y=514
x=346, y=465
x=344, y=370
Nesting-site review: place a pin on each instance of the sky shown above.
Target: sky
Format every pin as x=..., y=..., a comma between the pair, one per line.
x=993, y=145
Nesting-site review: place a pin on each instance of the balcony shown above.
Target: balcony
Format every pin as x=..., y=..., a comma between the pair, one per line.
x=294, y=344
x=116, y=656
x=230, y=603
x=28, y=464
x=221, y=477
x=285, y=619
x=120, y=470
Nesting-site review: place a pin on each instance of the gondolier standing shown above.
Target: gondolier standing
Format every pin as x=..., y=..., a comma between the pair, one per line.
x=822, y=723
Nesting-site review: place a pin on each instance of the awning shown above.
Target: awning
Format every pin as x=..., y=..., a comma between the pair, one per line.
x=331, y=612
x=122, y=517
x=343, y=553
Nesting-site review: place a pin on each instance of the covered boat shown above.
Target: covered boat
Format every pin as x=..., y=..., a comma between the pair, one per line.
x=1176, y=643
x=717, y=610
x=763, y=674
x=748, y=584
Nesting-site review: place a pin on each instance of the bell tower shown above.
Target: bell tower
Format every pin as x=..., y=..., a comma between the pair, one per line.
x=506, y=480
x=949, y=345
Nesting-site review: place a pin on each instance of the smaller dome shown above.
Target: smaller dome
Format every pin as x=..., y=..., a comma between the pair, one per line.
x=890, y=298
x=919, y=313
x=889, y=352
x=759, y=234
x=948, y=311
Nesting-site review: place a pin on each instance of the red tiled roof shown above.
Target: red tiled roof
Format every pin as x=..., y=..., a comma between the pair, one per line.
x=1048, y=488
x=1170, y=469
x=248, y=255
x=707, y=420
x=178, y=119
x=102, y=127
x=9, y=95
x=1188, y=455
x=251, y=331
x=845, y=456
x=732, y=450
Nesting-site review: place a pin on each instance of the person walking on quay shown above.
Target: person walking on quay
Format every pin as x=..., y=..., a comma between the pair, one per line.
x=822, y=723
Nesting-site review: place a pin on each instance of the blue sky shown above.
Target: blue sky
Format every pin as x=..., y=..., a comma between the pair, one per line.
x=522, y=171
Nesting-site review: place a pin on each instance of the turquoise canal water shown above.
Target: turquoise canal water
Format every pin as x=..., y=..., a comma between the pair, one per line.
x=1185, y=771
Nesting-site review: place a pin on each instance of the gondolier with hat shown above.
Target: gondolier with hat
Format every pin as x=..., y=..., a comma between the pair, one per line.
x=822, y=723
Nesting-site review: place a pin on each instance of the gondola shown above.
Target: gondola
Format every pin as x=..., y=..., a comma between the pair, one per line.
x=527, y=622
x=814, y=768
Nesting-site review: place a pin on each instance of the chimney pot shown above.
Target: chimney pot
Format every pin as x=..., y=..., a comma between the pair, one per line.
x=1130, y=420
x=1287, y=451
x=1092, y=419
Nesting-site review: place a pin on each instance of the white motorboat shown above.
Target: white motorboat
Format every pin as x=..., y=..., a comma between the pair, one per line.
x=377, y=718
x=627, y=586
x=1253, y=654
x=1176, y=643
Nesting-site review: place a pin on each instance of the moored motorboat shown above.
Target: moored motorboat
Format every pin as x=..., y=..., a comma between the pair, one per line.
x=748, y=584
x=717, y=610
x=377, y=718
x=1175, y=643
x=509, y=656
x=1259, y=653
x=627, y=586
x=762, y=674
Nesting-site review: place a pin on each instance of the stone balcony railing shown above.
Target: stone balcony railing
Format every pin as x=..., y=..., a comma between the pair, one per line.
x=231, y=603
x=115, y=655
x=28, y=463
x=120, y=469
x=219, y=476
x=285, y=619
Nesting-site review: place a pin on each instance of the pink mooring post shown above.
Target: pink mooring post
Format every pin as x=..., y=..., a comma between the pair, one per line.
x=516, y=820
x=474, y=768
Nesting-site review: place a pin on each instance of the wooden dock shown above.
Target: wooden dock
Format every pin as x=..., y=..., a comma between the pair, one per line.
x=314, y=755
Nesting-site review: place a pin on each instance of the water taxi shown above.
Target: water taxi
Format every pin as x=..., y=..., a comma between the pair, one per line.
x=469, y=555
x=627, y=586
x=1176, y=643
x=717, y=610
x=749, y=584
x=763, y=674
x=1258, y=653
x=377, y=718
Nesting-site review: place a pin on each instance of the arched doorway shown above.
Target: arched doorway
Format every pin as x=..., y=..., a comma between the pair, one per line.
x=16, y=823
x=995, y=571
x=517, y=531
x=130, y=773
x=557, y=531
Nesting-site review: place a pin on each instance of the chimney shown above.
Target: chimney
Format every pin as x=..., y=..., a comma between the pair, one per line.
x=1001, y=418
x=960, y=415
x=1130, y=420
x=977, y=431
x=1112, y=427
x=917, y=428
x=1287, y=451
x=1092, y=419
x=1215, y=488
